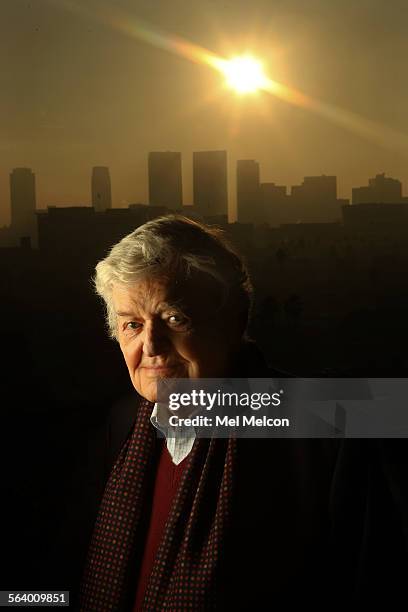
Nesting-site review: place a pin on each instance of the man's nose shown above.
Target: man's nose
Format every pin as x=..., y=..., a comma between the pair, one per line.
x=154, y=341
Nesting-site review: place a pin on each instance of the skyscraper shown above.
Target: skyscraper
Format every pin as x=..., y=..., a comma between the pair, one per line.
x=23, y=204
x=273, y=202
x=381, y=190
x=165, y=182
x=317, y=188
x=248, y=208
x=315, y=201
x=101, y=189
x=210, y=182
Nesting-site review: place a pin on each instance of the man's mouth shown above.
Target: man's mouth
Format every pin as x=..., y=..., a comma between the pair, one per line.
x=159, y=369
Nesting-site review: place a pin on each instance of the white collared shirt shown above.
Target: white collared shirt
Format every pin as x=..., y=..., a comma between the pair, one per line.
x=179, y=440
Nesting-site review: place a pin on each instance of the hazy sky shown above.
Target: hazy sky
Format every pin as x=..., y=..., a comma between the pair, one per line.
x=78, y=91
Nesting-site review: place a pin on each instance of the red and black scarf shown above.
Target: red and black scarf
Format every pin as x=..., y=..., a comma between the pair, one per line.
x=184, y=575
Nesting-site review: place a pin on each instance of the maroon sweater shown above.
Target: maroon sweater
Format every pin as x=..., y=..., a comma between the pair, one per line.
x=167, y=479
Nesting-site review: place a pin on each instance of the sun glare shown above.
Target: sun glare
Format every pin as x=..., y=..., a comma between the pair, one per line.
x=244, y=74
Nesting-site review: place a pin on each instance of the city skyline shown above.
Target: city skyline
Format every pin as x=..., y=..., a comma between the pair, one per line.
x=77, y=88
x=379, y=188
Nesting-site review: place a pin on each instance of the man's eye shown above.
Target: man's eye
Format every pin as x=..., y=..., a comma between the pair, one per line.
x=178, y=321
x=132, y=325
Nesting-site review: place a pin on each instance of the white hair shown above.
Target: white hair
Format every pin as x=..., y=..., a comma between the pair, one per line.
x=169, y=247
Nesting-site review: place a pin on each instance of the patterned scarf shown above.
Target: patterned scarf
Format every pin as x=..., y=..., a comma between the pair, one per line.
x=184, y=575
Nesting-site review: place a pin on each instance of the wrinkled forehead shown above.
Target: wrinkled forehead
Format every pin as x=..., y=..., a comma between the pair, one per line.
x=198, y=294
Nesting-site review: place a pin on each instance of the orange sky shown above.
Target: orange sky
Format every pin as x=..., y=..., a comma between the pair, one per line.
x=79, y=91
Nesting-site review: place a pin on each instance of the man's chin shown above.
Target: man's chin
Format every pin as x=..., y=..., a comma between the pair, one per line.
x=150, y=395
x=148, y=392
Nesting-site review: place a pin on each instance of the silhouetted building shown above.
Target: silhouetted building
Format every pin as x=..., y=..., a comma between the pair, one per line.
x=210, y=183
x=101, y=189
x=242, y=236
x=315, y=201
x=165, y=182
x=248, y=191
x=381, y=189
x=23, y=204
x=273, y=204
x=7, y=239
x=372, y=218
x=324, y=232
x=80, y=232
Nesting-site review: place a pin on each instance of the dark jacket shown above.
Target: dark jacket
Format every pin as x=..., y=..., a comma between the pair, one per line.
x=320, y=521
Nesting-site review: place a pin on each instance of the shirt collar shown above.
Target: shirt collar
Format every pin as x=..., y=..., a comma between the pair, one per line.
x=179, y=440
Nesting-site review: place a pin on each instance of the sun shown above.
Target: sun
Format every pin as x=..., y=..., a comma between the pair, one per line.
x=244, y=74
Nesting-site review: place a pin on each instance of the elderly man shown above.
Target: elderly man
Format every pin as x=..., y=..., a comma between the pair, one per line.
x=173, y=520
x=199, y=524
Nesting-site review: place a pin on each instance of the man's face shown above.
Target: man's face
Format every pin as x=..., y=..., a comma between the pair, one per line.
x=170, y=330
